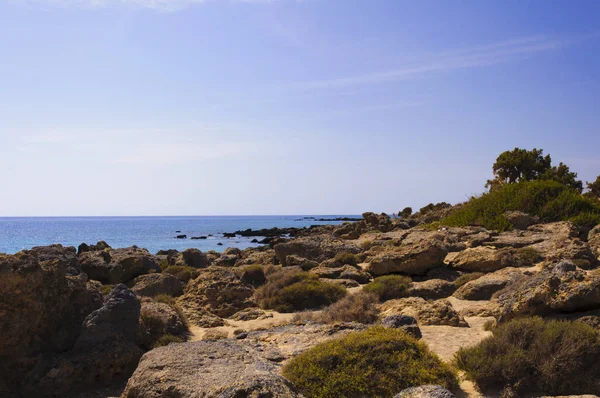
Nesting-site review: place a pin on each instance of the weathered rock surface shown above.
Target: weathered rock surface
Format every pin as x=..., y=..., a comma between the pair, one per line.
x=428, y=391
x=343, y=272
x=404, y=322
x=432, y=289
x=594, y=241
x=113, y=266
x=484, y=287
x=195, y=258
x=316, y=248
x=438, y=312
x=84, y=247
x=561, y=288
x=161, y=318
x=489, y=259
x=217, y=290
x=222, y=368
x=155, y=284
x=293, y=260
x=520, y=220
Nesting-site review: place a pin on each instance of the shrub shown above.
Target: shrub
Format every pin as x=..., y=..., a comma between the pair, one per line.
x=531, y=354
x=169, y=300
x=344, y=258
x=465, y=278
x=290, y=290
x=549, y=200
x=377, y=362
x=360, y=307
x=166, y=339
x=106, y=289
x=182, y=272
x=526, y=256
x=253, y=275
x=388, y=287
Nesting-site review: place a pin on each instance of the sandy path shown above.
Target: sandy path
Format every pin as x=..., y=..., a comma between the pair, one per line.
x=256, y=324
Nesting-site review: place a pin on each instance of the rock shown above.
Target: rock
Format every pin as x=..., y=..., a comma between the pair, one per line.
x=404, y=322
x=293, y=260
x=229, y=369
x=560, y=288
x=427, y=391
x=226, y=260
x=432, y=289
x=195, y=258
x=418, y=253
x=316, y=248
x=216, y=290
x=489, y=259
x=181, y=237
x=438, y=312
x=219, y=244
x=484, y=287
x=41, y=308
x=254, y=241
x=101, y=245
x=199, y=237
x=344, y=272
x=160, y=318
x=520, y=220
x=112, y=266
x=229, y=235
x=250, y=314
x=594, y=240
x=347, y=283
x=155, y=284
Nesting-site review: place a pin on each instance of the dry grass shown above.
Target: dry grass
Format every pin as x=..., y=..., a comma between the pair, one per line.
x=360, y=307
x=389, y=287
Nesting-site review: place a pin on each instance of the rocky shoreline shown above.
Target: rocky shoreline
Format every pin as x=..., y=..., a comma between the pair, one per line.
x=75, y=321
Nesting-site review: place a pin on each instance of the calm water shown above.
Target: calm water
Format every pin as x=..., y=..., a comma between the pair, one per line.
x=152, y=233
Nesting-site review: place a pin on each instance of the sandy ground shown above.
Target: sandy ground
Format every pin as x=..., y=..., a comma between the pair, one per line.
x=277, y=319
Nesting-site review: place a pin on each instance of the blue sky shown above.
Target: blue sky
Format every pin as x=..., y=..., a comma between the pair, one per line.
x=183, y=107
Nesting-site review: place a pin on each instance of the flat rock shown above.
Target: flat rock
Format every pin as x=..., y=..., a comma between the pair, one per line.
x=438, y=312
x=427, y=391
x=155, y=284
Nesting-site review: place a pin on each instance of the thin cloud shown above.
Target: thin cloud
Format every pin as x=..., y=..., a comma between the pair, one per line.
x=480, y=56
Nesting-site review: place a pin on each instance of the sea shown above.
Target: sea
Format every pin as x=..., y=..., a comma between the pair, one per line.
x=152, y=233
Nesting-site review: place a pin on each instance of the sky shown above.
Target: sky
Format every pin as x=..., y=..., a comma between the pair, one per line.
x=255, y=107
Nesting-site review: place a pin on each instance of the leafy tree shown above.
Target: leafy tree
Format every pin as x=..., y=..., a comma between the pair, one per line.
x=594, y=188
x=524, y=165
x=406, y=212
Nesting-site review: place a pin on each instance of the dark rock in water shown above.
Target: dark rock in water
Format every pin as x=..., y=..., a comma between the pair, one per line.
x=210, y=234
x=229, y=368
x=229, y=235
x=268, y=232
x=427, y=391
x=254, y=241
x=404, y=322
x=198, y=237
x=219, y=244
x=177, y=232
x=118, y=265
x=181, y=237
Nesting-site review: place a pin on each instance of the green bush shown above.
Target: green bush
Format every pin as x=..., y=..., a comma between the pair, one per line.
x=182, y=272
x=465, y=278
x=166, y=339
x=388, y=287
x=531, y=354
x=377, y=362
x=253, y=275
x=549, y=200
x=344, y=258
x=289, y=291
x=106, y=289
x=360, y=307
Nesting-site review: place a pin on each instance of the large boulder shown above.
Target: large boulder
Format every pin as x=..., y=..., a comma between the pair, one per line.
x=195, y=258
x=419, y=252
x=438, y=312
x=155, y=284
x=484, y=287
x=217, y=290
x=560, y=288
x=489, y=259
x=222, y=368
x=114, y=266
x=84, y=247
x=42, y=306
x=316, y=248
x=160, y=318
x=520, y=220
x=343, y=272
x=432, y=289
x=406, y=323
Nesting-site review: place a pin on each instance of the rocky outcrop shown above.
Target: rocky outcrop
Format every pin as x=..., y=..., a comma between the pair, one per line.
x=428, y=391
x=438, y=312
x=113, y=266
x=370, y=222
x=405, y=323
x=561, y=288
x=316, y=248
x=594, y=241
x=489, y=259
x=305, y=264
x=216, y=290
x=343, y=272
x=432, y=289
x=228, y=369
x=419, y=252
x=195, y=258
x=155, y=284
x=484, y=287
x=84, y=247
x=42, y=306
x=520, y=220
x=160, y=318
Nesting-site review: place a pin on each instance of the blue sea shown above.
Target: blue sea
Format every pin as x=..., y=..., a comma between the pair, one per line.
x=152, y=233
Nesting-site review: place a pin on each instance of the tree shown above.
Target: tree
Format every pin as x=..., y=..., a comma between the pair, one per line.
x=523, y=165
x=406, y=212
x=594, y=188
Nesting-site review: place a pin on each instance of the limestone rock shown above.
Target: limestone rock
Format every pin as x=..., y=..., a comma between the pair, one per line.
x=195, y=258
x=403, y=322
x=112, y=266
x=489, y=259
x=343, y=272
x=316, y=248
x=432, y=289
x=428, y=391
x=520, y=220
x=484, y=287
x=160, y=318
x=222, y=368
x=438, y=312
x=155, y=284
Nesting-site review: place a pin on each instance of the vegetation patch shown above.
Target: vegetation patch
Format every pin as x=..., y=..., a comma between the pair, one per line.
x=166, y=339
x=182, y=272
x=360, y=307
x=549, y=200
x=344, y=258
x=389, y=287
x=253, y=275
x=289, y=291
x=532, y=354
x=377, y=362
x=465, y=278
